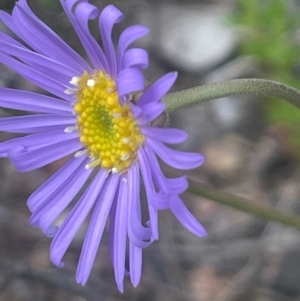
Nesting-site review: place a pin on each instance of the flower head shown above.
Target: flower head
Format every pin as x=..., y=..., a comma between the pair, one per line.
x=90, y=114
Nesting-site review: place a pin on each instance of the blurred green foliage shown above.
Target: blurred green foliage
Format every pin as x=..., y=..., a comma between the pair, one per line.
x=269, y=30
x=269, y=27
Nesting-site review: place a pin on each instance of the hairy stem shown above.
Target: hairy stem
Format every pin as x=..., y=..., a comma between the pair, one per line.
x=232, y=87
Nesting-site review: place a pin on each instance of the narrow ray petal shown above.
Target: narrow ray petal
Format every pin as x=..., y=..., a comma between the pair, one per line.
x=30, y=101
x=135, y=264
x=43, y=63
x=96, y=229
x=166, y=135
x=139, y=235
x=76, y=217
x=43, y=80
x=42, y=39
x=112, y=220
x=120, y=233
x=130, y=80
x=150, y=189
x=173, y=186
x=60, y=200
x=25, y=159
x=128, y=36
x=49, y=207
x=35, y=123
x=54, y=182
x=175, y=158
x=158, y=89
x=152, y=111
x=9, y=22
x=83, y=13
x=185, y=217
x=110, y=15
x=35, y=141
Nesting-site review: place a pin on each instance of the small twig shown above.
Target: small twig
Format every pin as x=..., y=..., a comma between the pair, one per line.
x=266, y=212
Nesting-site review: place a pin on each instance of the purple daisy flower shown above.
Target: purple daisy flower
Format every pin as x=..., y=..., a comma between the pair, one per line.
x=91, y=114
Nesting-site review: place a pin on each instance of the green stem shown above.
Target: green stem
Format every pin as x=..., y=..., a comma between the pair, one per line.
x=232, y=87
x=242, y=204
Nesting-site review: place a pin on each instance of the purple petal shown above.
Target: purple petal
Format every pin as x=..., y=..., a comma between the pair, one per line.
x=83, y=13
x=34, y=102
x=130, y=80
x=109, y=16
x=177, y=185
x=35, y=141
x=135, y=264
x=40, y=79
x=9, y=22
x=96, y=229
x=41, y=62
x=128, y=36
x=120, y=233
x=135, y=110
x=25, y=159
x=57, y=201
x=185, y=217
x=6, y=39
x=175, y=158
x=157, y=90
x=151, y=111
x=42, y=39
x=36, y=123
x=166, y=135
x=170, y=186
x=150, y=190
x=76, y=217
x=139, y=235
x=136, y=57
x=62, y=198
x=158, y=200
x=50, y=207
x=112, y=221
x=54, y=182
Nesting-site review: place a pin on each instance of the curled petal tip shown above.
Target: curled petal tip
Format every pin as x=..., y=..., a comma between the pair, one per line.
x=51, y=231
x=56, y=261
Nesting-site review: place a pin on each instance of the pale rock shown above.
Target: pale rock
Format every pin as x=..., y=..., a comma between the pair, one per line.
x=192, y=37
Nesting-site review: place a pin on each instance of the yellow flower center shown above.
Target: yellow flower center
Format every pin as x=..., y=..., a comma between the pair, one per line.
x=106, y=128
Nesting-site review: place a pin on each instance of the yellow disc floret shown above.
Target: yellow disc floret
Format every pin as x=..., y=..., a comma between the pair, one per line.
x=106, y=128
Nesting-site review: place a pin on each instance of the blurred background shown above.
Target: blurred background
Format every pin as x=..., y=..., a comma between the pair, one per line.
x=252, y=149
